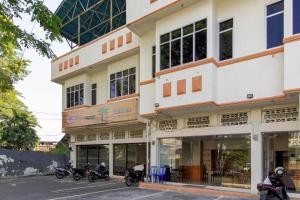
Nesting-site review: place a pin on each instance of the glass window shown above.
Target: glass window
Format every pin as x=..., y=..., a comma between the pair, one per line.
x=296, y=16
x=153, y=61
x=94, y=94
x=92, y=154
x=225, y=40
x=75, y=95
x=119, y=159
x=275, y=14
x=123, y=83
x=183, y=45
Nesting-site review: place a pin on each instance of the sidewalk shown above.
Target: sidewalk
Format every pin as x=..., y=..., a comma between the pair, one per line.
x=196, y=190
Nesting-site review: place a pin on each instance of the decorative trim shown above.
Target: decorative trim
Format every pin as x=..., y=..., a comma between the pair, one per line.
x=71, y=62
x=197, y=84
x=147, y=82
x=112, y=45
x=77, y=60
x=123, y=97
x=181, y=87
x=120, y=41
x=66, y=64
x=104, y=48
x=76, y=107
x=293, y=38
x=152, y=1
x=128, y=37
x=167, y=89
x=149, y=114
x=251, y=56
x=274, y=98
x=60, y=68
x=186, y=66
x=293, y=90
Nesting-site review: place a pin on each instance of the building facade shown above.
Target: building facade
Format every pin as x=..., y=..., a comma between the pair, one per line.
x=208, y=88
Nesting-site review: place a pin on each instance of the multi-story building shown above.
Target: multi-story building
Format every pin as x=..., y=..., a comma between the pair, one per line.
x=209, y=88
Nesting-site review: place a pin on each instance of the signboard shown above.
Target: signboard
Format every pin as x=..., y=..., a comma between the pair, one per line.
x=101, y=114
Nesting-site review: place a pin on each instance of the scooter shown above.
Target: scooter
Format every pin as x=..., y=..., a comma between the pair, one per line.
x=134, y=175
x=61, y=172
x=81, y=173
x=273, y=188
x=101, y=172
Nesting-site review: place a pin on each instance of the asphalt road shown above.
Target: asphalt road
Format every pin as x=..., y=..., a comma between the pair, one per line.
x=50, y=188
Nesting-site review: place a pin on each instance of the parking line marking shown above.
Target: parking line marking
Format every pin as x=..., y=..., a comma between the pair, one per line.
x=220, y=197
x=77, y=188
x=150, y=195
x=85, y=194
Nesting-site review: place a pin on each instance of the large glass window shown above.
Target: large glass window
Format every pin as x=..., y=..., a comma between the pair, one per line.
x=296, y=16
x=214, y=160
x=283, y=150
x=92, y=154
x=75, y=95
x=127, y=156
x=275, y=14
x=153, y=61
x=225, y=39
x=123, y=83
x=183, y=45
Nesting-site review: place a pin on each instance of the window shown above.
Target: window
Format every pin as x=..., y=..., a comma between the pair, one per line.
x=92, y=154
x=225, y=39
x=122, y=83
x=94, y=94
x=153, y=61
x=275, y=24
x=183, y=45
x=75, y=95
x=296, y=16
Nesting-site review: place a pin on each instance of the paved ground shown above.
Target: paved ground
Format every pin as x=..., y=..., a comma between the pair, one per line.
x=50, y=188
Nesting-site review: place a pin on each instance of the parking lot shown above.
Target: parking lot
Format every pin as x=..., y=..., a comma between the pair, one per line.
x=50, y=188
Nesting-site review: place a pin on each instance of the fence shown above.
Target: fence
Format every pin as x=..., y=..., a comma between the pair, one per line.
x=27, y=163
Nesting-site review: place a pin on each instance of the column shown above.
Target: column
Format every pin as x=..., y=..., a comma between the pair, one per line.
x=111, y=159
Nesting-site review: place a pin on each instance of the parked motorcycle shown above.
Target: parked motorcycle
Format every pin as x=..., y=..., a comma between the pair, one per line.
x=273, y=188
x=101, y=172
x=61, y=172
x=81, y=173
x=134, y=175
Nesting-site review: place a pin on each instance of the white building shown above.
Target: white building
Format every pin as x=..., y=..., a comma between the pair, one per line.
x=209, y=88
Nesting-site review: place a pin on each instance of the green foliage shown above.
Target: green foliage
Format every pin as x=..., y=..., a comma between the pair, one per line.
x=61, y=149
x=16, y=122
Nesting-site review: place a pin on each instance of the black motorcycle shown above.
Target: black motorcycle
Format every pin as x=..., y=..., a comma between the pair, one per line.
x=61, y=172
x=134, y=175
x=81, y=173
x=101, y=172
x=273, y=188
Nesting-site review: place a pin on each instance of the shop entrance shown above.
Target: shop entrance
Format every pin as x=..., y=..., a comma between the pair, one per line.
x=283, y=150
x=213, y=160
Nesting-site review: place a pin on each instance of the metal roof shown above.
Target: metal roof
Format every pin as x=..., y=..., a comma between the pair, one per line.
x=86, y=20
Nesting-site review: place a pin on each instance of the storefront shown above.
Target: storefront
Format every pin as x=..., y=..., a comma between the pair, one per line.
x=283, y=150
x=213, y=160
x=127, y=156
x=92, y=154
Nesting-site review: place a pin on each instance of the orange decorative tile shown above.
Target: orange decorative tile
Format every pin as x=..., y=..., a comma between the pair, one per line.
x=167, y=89
x=71, y=62
x=197, y=84
x=181, y=87
x=66, y=64
x=60, y=67
x=120, y=41
x=128, y=37
x=104, y=48
x=112, y=45
x=76, y=60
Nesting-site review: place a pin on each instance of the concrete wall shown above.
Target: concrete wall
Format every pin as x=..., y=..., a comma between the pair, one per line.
x=27, y=163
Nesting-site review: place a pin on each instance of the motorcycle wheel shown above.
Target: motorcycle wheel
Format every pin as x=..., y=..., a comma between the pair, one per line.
x=59, y=175
x=91, y=178
x=128, y=181
x=76, y=177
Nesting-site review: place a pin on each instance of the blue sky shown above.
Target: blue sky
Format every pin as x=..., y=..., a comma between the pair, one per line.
x=42, y=96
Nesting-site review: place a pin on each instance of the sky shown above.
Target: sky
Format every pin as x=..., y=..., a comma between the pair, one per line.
x=41, y=96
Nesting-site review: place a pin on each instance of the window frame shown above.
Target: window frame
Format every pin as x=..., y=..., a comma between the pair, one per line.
x=153, y=57
x=292, y=17
x=219, y=32
x=116, y=78
x=266, y=21
x=181, y=43
x=72, y=92
x=94, y=90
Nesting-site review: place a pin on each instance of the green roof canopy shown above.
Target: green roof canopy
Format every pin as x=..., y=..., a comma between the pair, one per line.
x=86, y=20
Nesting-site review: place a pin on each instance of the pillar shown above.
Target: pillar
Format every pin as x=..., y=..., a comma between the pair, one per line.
x=111, y=159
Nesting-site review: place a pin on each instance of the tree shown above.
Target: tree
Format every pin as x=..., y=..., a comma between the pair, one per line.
x=61, y=149
x=16, y=122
